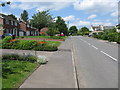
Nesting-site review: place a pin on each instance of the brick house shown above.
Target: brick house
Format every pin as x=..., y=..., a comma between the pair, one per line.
x=8, y=25
x=27, y=30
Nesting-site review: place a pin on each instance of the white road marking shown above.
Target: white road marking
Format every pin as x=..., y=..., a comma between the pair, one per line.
x=100, y=51
x=94, y=47
x=89, y=44
x=109, y=56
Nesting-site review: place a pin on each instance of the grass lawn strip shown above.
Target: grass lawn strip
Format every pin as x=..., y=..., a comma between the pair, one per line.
x=56, y=43
x=47, y=37
x=15, y=72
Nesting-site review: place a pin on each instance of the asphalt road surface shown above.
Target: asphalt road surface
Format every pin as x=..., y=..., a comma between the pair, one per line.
x=96, y=62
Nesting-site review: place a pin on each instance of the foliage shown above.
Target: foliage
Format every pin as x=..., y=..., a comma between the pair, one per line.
x=24, y=16
x=7, y=39
x=61, y=26
x=27, y=45
x=73, y=30
x=84, y=31
x=41, y=19
x=110, y=35
x=51, y=31
x=3, y=4
x=29, y=57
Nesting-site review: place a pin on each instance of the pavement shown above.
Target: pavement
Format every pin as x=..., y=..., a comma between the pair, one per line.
x=57, y=73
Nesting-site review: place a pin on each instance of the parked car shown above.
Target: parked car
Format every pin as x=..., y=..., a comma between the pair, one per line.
x=8, y=34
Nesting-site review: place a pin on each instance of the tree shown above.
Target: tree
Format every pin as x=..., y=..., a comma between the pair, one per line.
x=61, y=26
x=51, y=31
x=3, y=4
x=73, y=30
x=13, y=16
x=84, y=31
x=24, y=16
x=41, y=19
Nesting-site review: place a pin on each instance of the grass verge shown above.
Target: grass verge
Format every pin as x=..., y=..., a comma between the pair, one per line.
x=15, y=72
x=47, y=37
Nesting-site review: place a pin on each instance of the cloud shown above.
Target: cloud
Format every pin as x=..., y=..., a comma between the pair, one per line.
x=88, y=24
x=115, y=14
x=69, y=18
x=39, y=0
x=92, y=16
x=96, y=6
x=40, y=5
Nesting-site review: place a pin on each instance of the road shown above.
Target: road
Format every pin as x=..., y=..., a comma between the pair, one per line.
x=96, y=62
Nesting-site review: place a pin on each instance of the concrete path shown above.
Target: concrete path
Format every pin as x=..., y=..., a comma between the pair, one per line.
x=57, y=73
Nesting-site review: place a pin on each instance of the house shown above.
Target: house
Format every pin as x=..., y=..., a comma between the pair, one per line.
x=27, y=30
x=101, y=28
x=43, y=31
x=8, y=24
x=97, y=28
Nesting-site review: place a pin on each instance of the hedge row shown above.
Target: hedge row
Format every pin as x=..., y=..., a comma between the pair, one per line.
x=110, y=36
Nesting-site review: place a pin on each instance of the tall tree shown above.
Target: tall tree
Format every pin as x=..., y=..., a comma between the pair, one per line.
x=41, y=19
x=24, y=16
x=73, y=30
x=61, y=26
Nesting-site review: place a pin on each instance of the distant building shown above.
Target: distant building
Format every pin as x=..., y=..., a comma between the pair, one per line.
x=101, y=28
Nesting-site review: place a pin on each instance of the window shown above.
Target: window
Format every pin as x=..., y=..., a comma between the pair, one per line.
x=15, y=23
x=11, y=22
x=6, y=21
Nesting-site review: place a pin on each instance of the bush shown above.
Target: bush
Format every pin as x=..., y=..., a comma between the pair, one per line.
x=30, y=58
x=22, y=37
x=112, y=37
x=29, y=45
x=7, y=39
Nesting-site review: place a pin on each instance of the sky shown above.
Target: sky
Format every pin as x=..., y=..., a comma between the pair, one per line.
x=75, y=12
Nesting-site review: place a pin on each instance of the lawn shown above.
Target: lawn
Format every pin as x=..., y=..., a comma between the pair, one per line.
x=15, y=72
x=56, y=43
x=46, y=37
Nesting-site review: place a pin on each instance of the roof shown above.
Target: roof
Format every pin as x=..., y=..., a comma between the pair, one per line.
x=109, y=27
x=7, y=17
x=45, y=29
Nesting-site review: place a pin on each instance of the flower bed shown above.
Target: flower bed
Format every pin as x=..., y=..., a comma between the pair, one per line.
x=9, y=43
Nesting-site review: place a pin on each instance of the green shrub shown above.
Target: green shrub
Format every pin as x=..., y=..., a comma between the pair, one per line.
x=94, y=35
x=30, y=58
x=22, y=37
x=7, y=39
x=29, y=45
x=112, y=37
